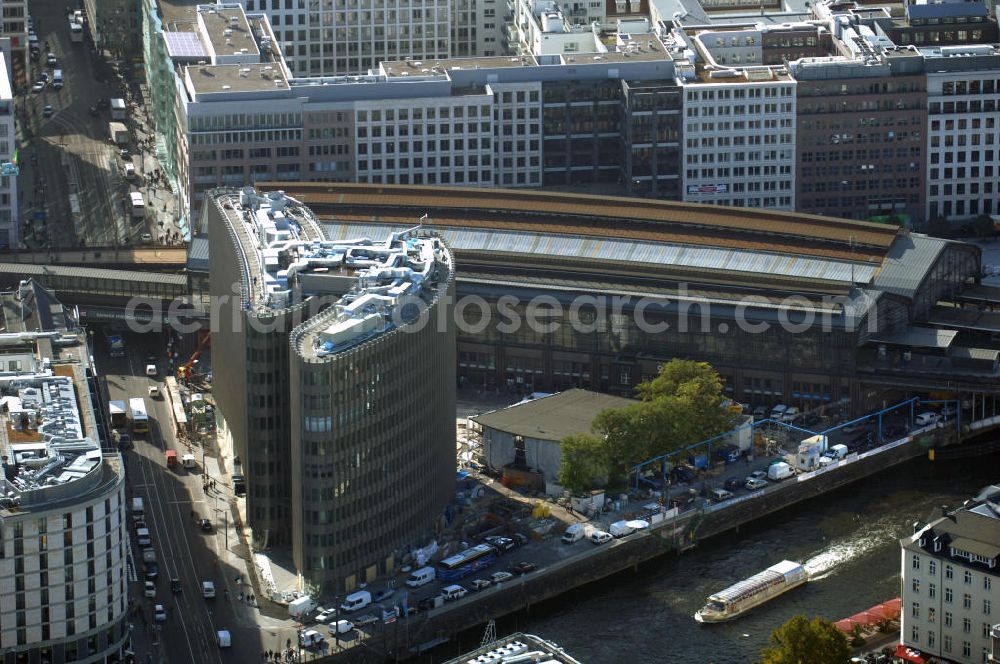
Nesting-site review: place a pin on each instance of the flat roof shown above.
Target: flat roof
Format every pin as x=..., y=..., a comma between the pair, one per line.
x=208, y=79
x=433, y=67
x=228, y=30
x=553, y=417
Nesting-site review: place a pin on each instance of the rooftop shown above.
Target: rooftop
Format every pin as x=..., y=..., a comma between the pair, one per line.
x=969, y=534
x=436, y=67
x=507, y=649
x=552, y=417
x=207, y=79
x=227, y=30
x=48, y=435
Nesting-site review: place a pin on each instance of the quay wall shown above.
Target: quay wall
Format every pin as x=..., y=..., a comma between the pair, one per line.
x=598, y=562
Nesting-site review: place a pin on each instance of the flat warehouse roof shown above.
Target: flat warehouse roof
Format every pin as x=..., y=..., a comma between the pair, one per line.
x=553, y=417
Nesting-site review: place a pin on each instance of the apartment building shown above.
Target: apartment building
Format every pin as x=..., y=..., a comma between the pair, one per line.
x=859, y=137
x=9, y=232
x=478, y=28
x=335, y=383
x=333, y=37
x=963, y=153
x=951, y=581
x=62, y=514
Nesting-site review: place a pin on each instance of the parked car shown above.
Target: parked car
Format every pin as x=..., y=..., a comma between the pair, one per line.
x=500, y=577
x=758, y=475
x=152, y=571
x=383, y=595
x=728, y=454
x=501, y=544
x=790, y=414
x=807, y=420
x=51, y=60
x=855, y=427
x=720, y=495
x=149, y=589
x=125, y=441
x=755, y=484
x=150, y=369
x=159, y=613
x=679, y=474
x=733, y=483
x=205, y=525
x=454, y=592
x=366, y=619
x=48, y=111
x=326, y=615
x=38, y=86
x=928, y=418
x=778, y=411
x=479, y=584
x=760, y=413
x=523, y=568
x=600, y=537
x=310, y=639
x=153, y=391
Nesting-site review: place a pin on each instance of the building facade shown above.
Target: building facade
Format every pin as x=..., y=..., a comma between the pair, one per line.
x=328, y=39
x=10, y=236
x=62, y=516
x=15, y=26
x=951, y=582
x=336, y=384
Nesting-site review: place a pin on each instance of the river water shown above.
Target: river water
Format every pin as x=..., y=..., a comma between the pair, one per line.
x=849, y=540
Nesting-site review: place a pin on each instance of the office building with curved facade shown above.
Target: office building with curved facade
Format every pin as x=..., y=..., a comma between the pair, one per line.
x=335, y=374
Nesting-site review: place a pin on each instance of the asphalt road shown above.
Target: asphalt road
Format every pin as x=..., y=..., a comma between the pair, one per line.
x=183, y=551
x=69, y=153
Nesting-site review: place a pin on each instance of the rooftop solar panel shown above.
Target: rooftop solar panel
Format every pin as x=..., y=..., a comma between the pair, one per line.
x=184, y=45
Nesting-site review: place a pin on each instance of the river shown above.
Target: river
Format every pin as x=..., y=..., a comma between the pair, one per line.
x=848, y=539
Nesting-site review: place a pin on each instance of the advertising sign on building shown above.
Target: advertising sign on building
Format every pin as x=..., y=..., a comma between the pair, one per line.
x=696, y=189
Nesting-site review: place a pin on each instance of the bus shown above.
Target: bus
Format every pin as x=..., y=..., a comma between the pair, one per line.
x=140, y=420
x=119, y=418
x=467, y=562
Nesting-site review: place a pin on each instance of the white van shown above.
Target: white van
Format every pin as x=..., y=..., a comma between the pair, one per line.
x=138, y=205
x=137, y=513
x=928, y=418
x=207, y=589
x=355, y=601
x=421, y=577
x=574, y=533
x=779, y=471
x=57, y=79
x=129, y=170
x=224, y=639
x=454, y=592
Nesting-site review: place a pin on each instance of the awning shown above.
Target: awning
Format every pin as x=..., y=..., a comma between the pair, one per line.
x=978, y=354
x=914, y=655
x=918, y=337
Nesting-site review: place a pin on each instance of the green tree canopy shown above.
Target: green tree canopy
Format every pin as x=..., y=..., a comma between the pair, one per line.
x=682, y=405
x=583, y=463
x=804, y=641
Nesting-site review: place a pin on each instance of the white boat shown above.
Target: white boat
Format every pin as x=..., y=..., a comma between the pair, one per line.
x=748, y=593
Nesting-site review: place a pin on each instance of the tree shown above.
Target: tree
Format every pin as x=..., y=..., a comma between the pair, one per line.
x=583, y=462
x=804, y=641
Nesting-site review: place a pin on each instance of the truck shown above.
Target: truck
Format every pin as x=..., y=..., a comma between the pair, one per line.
x=118, y=109
x=118, y=132
x=809, y=452
x=577, y=532
x=620, y=529
x=149, y=555
x=171, y=458
x=137, y=511
x=118, y=413
x=301, y=607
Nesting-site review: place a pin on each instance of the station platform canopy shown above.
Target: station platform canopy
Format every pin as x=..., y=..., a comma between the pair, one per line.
x=917, y=337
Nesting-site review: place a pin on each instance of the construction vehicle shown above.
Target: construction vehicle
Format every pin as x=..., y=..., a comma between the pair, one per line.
x=184, y=371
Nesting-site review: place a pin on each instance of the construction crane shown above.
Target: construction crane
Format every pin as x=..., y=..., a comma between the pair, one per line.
x=184, y=371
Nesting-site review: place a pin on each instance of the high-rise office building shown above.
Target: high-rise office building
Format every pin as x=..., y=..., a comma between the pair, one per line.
x=335, y=381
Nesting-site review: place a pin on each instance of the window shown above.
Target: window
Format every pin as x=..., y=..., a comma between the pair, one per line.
x=968, y=576
x=966, y=625
x=947, y=618
x=966, y=649
x=949, y=572
x=931, y=590
x=915, y=634
x=986, y=582
x=967, y=601
x=987, y=605
x=931, y=614
x=948, y=595
x=915, y=610
x=947, y=643
x=916, y=586
x=932, y=567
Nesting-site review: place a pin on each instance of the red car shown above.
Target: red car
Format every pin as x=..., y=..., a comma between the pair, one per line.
x=523, y=568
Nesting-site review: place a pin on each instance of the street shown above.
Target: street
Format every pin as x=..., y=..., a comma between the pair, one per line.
x=72, y=178
x=174, y=499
